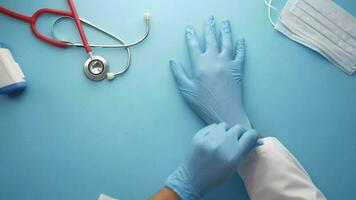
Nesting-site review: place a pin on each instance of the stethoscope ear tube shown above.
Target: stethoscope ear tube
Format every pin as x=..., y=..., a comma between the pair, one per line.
x=147, y=18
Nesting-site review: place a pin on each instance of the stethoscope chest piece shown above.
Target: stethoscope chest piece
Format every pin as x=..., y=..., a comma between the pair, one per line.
x=96, y=68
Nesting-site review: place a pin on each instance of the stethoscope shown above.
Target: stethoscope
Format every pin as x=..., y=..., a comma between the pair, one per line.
x=95, y=67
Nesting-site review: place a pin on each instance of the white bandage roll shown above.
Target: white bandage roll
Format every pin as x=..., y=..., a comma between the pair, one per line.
x=11, y=75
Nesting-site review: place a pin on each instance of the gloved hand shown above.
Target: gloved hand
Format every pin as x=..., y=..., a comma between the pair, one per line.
x=215, y=91
x=215, y=155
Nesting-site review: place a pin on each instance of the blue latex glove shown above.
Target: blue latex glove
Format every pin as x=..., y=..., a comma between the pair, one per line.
x=215, y=156
x=214, y=92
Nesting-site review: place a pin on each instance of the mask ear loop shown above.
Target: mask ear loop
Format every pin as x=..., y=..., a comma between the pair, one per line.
x=270, y=6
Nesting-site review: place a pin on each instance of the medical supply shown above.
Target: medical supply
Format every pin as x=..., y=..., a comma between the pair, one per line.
x=321, y=25
x=215, y=155
x=271, y=172
x=95, y=67
x=106, y=197
x=12, y=78
x=215, y=90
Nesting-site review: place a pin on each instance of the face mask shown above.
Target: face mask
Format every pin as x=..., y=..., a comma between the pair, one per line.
x=322, y=26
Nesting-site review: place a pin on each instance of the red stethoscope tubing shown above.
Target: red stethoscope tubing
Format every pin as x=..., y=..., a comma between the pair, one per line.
x=79, y=26
x=33, y=19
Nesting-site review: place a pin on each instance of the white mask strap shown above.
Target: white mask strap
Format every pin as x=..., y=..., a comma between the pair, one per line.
x=270, y=6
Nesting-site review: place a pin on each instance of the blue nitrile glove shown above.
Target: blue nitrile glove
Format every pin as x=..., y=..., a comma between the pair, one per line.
x=215, y=90
x=215, y=155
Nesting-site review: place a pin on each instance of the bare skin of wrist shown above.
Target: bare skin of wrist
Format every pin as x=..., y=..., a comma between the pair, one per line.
x=165, y=194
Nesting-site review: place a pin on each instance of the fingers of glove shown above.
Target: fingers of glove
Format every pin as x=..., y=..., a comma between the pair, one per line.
x=259, y=142
x=247, y=141
x=235, y=133
x=204, y=132
x=210, y=36
x=226, y=39
x=180, y=76
x=240, y=51
x=192, y=42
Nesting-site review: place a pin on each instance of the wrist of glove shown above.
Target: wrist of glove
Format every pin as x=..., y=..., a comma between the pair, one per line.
x=180, y=182
x=215, y=155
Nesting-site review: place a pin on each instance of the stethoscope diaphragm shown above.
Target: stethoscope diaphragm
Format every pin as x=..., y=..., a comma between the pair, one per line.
x=96, y=68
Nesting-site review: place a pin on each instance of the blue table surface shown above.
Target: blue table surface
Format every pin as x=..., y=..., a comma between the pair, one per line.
x=67, y=137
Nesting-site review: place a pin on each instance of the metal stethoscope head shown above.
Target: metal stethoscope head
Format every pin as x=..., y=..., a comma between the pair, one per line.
x=96, y=67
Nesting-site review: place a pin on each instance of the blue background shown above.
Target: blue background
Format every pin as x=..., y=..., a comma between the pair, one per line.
x=67, y=137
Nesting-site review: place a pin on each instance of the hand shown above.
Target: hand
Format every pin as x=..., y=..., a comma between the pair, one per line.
x=215, y=91
x=215, y=156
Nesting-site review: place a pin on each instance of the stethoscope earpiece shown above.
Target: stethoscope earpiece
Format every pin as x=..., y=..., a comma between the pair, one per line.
x=110, y=76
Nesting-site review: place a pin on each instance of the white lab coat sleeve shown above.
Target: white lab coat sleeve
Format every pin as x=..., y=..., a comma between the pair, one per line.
x=270, y=172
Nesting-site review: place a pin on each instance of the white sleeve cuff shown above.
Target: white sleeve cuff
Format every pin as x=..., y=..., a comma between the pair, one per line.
x=271, y=172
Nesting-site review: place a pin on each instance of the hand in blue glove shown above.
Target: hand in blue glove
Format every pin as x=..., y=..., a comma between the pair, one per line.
x=215, y=156
x=215, y=91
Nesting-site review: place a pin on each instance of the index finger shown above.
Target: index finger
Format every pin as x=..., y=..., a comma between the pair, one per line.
x=247, y=141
